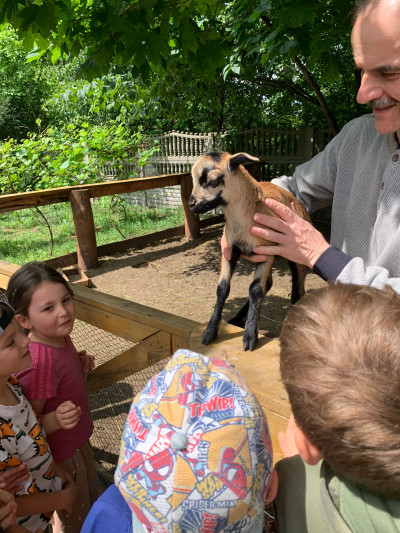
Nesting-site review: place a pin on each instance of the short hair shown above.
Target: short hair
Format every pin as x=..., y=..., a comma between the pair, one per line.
x=25, y=281
x=340, y=364
x=360, y=6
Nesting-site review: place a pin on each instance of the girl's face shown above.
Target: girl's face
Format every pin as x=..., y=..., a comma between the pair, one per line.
x=51, y=314
x=14, y=352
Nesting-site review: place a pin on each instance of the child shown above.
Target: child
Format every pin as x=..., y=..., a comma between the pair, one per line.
x=44, y=306
x=340, y=364
x=23, y=440
x=195, y=455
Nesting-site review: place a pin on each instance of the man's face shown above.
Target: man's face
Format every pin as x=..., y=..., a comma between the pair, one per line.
x=376, y=47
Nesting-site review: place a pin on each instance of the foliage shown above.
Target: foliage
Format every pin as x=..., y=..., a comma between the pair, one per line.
x=26, y=236
x=68, y=155
x=23, y=88
x=300, y=46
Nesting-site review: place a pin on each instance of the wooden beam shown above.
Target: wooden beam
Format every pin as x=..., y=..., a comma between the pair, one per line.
x=146, y=353
x=86, y=247
x=115, y=308
x=192, y=221
x=12, y=202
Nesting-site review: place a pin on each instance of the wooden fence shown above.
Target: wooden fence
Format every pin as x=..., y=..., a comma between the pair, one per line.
x=279, y=150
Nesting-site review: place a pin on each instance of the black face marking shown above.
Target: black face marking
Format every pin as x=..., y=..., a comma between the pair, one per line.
x=215, y=155
x=217, y=182
x=204, y=174
x=207, y=205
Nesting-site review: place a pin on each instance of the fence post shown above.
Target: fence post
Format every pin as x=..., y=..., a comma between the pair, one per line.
x=192, y=221
x=86, y=246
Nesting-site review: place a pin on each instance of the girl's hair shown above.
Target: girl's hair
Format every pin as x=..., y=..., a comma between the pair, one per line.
x=26, y=280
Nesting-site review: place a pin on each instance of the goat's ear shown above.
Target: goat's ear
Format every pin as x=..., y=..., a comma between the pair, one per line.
x=240, y=159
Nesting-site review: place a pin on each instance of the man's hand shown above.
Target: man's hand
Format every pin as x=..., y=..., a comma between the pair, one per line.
x=12, y=479
x=87, y=361
x=68, y=415
x=296, y=239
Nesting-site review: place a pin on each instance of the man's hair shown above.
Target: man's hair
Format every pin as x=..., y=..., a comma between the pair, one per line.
x=340, y=364
x=26, y=280
x=360, y=6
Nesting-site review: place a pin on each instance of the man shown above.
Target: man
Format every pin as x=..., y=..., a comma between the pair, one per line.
x=358, y=172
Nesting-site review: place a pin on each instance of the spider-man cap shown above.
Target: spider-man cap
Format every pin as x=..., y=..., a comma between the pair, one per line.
x=196, y=454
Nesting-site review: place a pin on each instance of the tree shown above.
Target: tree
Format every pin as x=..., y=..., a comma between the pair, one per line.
x=22, y=88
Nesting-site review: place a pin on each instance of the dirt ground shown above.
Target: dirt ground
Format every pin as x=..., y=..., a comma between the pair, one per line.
x=181, y=276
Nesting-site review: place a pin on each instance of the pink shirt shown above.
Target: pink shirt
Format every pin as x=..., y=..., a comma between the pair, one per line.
x=56, y=375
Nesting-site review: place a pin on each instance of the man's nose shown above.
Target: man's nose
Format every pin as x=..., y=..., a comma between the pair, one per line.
x=370, y=89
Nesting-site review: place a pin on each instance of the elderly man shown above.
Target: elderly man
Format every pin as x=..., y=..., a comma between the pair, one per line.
x=358, y=173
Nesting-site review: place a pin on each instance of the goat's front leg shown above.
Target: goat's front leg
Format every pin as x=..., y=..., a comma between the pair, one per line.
x=256, y=295
x=224, y=286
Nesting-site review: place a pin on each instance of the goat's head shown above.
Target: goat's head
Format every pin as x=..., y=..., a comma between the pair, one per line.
x=210, y=174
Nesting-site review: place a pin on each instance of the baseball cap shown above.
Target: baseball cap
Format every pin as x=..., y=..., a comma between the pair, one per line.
x=196, y=454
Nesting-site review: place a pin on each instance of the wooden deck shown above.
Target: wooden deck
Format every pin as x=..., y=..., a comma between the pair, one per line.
x=260, y=368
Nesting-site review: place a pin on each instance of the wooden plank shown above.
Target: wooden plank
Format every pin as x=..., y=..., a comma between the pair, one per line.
x=179, y=342
x=6, y=271
x=260, y=369
x=142, y=314
x=12, y=202
x=146, y=353
x=114, y=323
x=86, y=246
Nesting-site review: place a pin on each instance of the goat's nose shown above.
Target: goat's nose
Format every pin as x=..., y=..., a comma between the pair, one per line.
x=192, y=201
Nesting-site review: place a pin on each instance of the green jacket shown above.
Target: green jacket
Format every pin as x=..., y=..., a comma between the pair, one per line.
x=311, y=499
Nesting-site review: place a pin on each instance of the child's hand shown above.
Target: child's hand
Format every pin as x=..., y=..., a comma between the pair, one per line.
x=68, y=415
x=72, y=494
x=12, y=479
x=8, y=509
x=287, y=441
x=87, y=361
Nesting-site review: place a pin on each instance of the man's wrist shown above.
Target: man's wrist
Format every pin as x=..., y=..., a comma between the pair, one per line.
x=330, y=263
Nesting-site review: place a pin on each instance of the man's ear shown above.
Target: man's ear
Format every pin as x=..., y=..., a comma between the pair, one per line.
x=23, y=321
x=308, y=452
x=273, y=487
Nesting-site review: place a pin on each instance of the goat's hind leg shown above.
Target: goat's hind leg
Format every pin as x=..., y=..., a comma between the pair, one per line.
x=256, y=294
x=223, y=289
x=240, y=318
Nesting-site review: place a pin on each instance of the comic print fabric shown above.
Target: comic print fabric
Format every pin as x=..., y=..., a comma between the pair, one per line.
x=196, y=454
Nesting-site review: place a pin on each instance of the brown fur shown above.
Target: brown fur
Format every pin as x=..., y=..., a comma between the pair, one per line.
x=220, y=180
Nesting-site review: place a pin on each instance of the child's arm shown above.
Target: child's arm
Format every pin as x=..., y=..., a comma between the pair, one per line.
x=45, y=502
x=66, y=416
x=8, y=509
x=286, y=440
x=87, y=361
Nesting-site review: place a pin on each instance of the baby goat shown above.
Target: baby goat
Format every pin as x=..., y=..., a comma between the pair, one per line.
x=220, y=180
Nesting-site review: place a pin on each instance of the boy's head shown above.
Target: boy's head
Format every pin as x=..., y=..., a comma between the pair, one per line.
x=340, y=364
x=196, y=452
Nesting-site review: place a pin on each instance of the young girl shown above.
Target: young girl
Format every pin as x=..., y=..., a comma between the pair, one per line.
x=23, y=441
x=43, y=304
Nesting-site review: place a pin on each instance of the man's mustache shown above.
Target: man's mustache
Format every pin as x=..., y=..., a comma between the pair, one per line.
x=381, y=103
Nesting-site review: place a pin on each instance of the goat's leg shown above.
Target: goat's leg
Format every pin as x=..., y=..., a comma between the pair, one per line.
x=240, y=318
x=223, y=289
x=299, y=273
x=256, y=295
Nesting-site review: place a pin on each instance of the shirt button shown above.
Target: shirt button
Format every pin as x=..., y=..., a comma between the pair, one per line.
x=382, y=186
x=395, y=158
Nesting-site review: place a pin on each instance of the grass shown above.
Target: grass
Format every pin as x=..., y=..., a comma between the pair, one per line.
x=25, y=236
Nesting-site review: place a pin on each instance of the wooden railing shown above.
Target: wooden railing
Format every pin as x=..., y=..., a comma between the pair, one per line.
x=80, y=195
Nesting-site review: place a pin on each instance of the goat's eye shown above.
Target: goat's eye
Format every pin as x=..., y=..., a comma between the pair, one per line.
x=217, y=181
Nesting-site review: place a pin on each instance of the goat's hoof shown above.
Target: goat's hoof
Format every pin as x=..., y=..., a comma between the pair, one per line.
x=209, y=336
x=249, y=341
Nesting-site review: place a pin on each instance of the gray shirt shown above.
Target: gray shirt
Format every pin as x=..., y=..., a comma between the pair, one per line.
x=358, y=173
